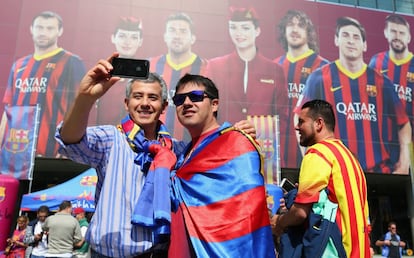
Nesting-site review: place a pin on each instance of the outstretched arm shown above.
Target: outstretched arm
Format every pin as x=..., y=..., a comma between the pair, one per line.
x=94, y=84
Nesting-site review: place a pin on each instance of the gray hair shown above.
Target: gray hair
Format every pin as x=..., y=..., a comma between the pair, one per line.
x=152, y=77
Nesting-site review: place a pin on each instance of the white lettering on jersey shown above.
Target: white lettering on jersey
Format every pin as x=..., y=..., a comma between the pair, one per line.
x=357, y=111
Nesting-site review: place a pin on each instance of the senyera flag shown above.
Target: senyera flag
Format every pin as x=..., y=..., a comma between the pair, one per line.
x=19, y=139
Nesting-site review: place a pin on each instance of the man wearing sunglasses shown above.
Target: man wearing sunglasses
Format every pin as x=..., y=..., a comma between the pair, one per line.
x=218, y=183
x=391, y=244
x=124, y=159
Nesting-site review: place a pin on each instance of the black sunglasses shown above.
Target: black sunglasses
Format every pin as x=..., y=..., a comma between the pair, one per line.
x=195, y=96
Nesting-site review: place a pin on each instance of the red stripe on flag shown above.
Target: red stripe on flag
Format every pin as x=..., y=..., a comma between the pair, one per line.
x=230, y=218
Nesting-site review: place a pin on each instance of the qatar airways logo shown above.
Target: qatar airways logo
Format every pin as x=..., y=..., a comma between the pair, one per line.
x=295, y=89
x=357, y=111
x=33, y=84
x=404, y=93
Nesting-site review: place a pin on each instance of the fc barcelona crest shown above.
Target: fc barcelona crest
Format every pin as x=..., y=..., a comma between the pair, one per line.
x=50, y=67
x=410, y=77
x=17, y=141
x=305, y=72
x=371, y=90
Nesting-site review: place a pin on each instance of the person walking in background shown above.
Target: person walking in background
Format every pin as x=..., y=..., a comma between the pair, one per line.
x=15, y=245
x=63, y=232
x=329, y=164
x=205, y=223
x=391, y=244
x=34, y=238
x=83, y=251
x=298, y=37
x=49, y=77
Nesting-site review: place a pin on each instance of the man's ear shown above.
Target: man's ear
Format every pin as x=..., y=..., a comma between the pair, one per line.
x=164, y=106
x=215, y=104
x=60, y=32
x=320, y=123
x=126, y=104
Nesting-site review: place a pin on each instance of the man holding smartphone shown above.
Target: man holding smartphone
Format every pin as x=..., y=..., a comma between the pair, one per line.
x=121, y=156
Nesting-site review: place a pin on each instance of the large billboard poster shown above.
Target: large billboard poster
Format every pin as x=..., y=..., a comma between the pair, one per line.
x=266, y=57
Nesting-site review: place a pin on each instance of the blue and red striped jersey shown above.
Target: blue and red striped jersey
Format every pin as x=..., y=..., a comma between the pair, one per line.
x=50, y=81
x=297, y=71
x=365, y=104
x=401, y=73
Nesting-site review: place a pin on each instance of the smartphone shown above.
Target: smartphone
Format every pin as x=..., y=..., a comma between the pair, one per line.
x=287, y=185
x=130, y=68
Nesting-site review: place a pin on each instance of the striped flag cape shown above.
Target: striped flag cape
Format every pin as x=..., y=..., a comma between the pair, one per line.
x=220, y=190
x=19, y=141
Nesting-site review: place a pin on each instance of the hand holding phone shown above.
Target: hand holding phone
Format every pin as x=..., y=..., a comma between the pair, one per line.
x=287, y=185
x=130, y=68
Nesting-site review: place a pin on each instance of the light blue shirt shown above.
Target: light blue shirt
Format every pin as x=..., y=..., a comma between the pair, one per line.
x=119, y=185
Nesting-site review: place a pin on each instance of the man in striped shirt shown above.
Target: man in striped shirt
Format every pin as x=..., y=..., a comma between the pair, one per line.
x=329, y=164
x=368, y=111
x=298, y=37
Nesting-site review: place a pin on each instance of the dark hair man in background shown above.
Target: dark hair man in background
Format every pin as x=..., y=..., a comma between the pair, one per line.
x=329, y=164
x=63, y=232
x=218, y=183
x=34, y=238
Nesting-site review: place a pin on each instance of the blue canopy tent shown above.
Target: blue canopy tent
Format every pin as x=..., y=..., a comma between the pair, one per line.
x=79, y=190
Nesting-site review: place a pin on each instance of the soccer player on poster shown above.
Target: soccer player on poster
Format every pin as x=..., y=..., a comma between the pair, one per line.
x=48, y=78
x=127, y=39
x=298, y=37
x=366, y=105
x=179, y=37
x=398, y=62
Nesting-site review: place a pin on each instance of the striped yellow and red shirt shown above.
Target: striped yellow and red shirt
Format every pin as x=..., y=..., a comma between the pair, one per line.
x=330, y=164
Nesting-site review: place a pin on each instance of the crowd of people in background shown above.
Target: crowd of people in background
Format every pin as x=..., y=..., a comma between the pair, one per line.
x=59, y=235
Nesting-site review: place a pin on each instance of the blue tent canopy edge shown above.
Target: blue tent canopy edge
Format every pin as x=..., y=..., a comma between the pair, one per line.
x=80, y=191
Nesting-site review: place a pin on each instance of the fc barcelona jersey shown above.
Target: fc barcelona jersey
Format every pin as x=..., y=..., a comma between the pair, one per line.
x=297, y=71
x=366, y=105
x=49, y=81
